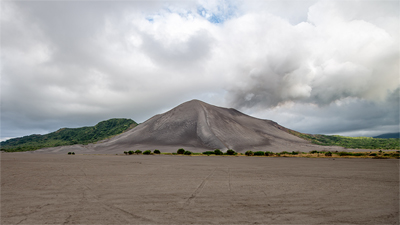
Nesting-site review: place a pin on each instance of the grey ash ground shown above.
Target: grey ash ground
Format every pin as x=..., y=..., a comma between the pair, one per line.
x=163, y=189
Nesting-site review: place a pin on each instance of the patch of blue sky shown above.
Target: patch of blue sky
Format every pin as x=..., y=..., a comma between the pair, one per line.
x=186, y=14
x=222, y=12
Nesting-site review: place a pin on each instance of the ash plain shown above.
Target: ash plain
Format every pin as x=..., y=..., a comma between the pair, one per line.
x=165, y=189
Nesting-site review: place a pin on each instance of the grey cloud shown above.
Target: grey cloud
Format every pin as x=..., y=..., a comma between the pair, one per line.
x=320, y=63
x=74, y=63
x=351, y=116
x=180, y=53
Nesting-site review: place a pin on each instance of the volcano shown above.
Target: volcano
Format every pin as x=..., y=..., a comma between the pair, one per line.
x=198, y=126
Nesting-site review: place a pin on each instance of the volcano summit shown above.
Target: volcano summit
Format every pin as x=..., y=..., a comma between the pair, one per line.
x=198, y=126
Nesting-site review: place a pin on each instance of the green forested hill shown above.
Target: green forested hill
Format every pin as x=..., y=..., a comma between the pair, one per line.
x=69, y=136
x=350, y=142
x=388, y=135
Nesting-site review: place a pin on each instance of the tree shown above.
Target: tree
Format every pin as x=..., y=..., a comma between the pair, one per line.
x=249, y=153
x=181, y=151
x=218, y=152
x=147, y=152
x=230, y=152
x=267, y=153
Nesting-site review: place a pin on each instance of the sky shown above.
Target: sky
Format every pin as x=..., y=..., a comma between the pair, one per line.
x=319, y=67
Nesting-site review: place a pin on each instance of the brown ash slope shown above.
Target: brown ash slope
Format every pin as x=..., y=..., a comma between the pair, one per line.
x=199, y=125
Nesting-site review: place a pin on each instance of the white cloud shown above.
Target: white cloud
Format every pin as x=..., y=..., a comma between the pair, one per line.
x=78, y=63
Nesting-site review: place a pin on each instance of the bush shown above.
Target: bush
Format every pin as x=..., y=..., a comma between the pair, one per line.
x=180, y=151
x=328, y=154
x=372, y=154
x=267, y=153
x=259, y=153
x=314, y=151
x=138, y=151
x=187, y=153
x=358, y=154
x=278, y=154
x=73, y=153
x=379, y=157
x=285, y=152
x=157, y=151
x=125, y=152
x=147, y=152
x=208, y=153
x=295, y=153
x=249, y=153
x=345, y=153
x=230, y=152
x=69, y=153
x=218, y=152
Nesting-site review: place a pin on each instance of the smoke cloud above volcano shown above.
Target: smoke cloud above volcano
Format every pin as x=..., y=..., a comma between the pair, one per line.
x=76, y=63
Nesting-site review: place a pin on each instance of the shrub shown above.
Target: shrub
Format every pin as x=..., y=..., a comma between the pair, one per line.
x=131, y=152
x=372, y=154
x=267, y=153
x=314, y=151
x=125, y=152
x=358, y=154
x=379, y=157
x=157, y=151
x=249, y=153
x=180, y=151
x=230, y=152
x=328, y=154
x=295, y=153
x=285, y=152
x=73, y=153
x=345, y=153
x=278, y=154
x=147, y=152
x=218, y=152
x=187, y=153
x=208, y=153
x=259, y=153
x=138, y=151
x=69, y=153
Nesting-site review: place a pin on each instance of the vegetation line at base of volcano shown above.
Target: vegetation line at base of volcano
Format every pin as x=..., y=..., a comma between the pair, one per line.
x=312, y=154
x=69, y=136
x=350, y=142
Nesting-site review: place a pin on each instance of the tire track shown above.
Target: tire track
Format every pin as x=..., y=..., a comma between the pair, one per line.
x=126, y=214
x=87, y=193
x=229, y=179
x=198, y=189
x=67, y=219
